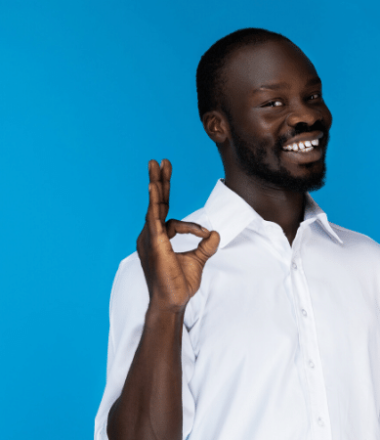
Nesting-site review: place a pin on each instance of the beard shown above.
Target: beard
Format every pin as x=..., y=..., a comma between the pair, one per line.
x=252, y=153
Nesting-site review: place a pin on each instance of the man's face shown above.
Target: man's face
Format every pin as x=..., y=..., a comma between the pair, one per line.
x=279, y=123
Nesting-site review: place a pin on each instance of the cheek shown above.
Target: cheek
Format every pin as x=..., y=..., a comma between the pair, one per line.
x=325, y=114
x=270, y=125
x=262, y=127
x=329, y=117
x=270, y=137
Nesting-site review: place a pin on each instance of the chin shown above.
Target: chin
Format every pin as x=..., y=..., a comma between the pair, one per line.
x=309, y=183
x=311, y=180
x=310, y=177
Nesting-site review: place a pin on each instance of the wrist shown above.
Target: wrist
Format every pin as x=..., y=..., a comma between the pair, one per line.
x=159, y=316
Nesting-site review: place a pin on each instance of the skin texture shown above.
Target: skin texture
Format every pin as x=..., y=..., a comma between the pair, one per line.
x=172, y=278
x=254, y=114
x=150, y=405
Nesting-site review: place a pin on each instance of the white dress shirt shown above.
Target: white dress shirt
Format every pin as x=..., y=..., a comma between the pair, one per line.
x=280, y=342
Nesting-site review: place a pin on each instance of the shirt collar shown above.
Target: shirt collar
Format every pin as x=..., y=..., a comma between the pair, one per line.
x=229, y=214
x=314, y=212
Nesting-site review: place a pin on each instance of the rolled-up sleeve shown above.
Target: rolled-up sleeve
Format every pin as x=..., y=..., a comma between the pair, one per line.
x=128, y=305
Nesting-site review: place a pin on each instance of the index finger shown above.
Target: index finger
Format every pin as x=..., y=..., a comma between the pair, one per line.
x=153, y=219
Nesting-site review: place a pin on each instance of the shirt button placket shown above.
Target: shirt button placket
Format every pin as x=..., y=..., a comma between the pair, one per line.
x=320, y=422
x=308, y=345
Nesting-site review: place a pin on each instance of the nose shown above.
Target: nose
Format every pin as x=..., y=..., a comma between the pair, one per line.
x=301, y=112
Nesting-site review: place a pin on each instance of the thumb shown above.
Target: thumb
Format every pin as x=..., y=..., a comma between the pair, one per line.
x=207, y=247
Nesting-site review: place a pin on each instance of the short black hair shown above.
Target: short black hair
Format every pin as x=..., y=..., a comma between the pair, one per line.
x=209, y=72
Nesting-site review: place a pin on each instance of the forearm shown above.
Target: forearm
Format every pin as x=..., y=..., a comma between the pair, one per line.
x=150, y=405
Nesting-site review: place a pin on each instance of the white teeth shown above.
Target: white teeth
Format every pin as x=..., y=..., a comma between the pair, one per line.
x=302, y=147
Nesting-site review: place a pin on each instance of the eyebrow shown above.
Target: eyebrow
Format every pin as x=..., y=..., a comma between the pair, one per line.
x=277, y=86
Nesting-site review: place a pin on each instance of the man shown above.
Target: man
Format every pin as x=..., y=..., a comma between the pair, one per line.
x=262, y=321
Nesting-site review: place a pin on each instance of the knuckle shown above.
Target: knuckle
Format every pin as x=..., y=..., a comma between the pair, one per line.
x=203, y=248
x=171, y=224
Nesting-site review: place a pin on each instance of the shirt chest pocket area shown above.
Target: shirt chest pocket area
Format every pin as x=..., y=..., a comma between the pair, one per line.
x=248, y=317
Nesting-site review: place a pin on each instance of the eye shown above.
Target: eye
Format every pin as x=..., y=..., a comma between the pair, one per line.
x=316, y=96
x=274, y=104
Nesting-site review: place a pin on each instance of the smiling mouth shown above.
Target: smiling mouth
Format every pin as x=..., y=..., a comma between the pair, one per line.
x=302, y=147
x=304, y=143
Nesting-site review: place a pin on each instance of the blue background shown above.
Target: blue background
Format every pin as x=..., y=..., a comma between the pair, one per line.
x=89, y=92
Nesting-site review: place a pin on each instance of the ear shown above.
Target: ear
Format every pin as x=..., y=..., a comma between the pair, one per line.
x=216, y=126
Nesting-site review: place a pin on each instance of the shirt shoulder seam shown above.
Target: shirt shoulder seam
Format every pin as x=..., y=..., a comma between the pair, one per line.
x=341, y=228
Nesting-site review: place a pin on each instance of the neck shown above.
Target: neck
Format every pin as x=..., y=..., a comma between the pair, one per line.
x=272, y=203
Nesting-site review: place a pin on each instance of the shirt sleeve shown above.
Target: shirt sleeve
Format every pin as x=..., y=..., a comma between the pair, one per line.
x=128, y=305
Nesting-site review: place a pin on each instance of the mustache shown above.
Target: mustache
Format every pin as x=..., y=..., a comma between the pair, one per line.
x=301, y=128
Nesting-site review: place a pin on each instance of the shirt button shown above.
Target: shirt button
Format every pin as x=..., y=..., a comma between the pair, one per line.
x=311, y=364
x=294, y=265
x=304, y=312
x=320, y=422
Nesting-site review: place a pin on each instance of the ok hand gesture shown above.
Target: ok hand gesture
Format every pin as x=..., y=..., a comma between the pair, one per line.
x=172, y=278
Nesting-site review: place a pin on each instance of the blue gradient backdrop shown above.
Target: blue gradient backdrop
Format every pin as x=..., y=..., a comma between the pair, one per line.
x=90, y=91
